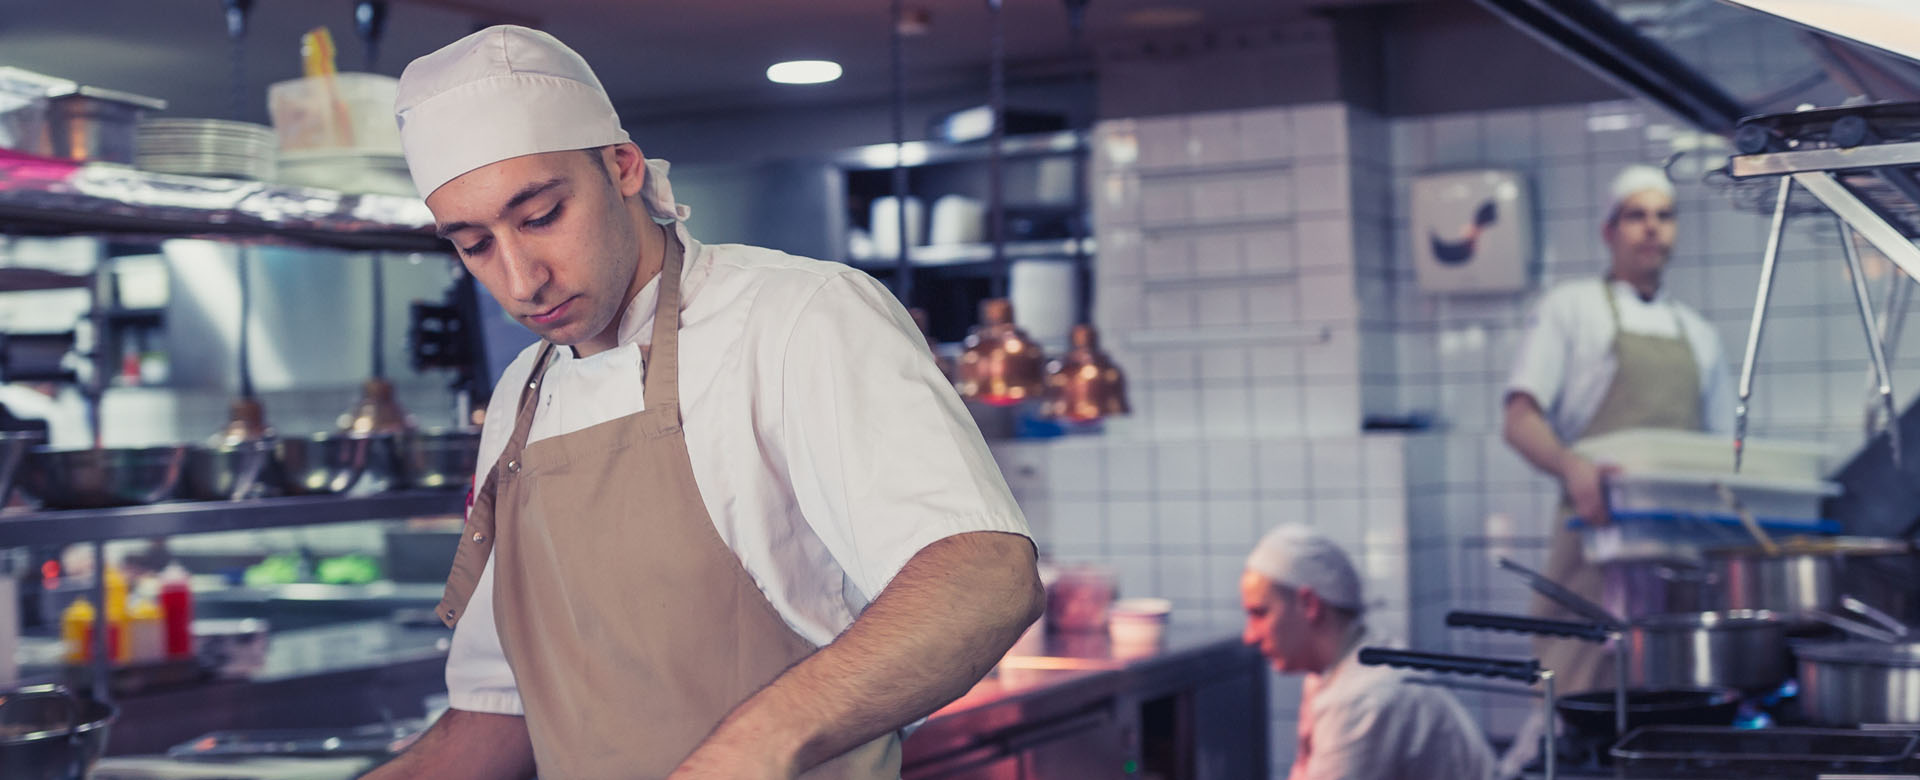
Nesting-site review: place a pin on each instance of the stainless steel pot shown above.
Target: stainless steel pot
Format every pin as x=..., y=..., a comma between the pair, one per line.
x=1805, y=577
x=234, y=471
x=1854, y=683
x=1744, y=649
x=1639, y=588
x=325, y=463
x=94, y=125
x=438, y=458
x=47, y=733
x=111, y=476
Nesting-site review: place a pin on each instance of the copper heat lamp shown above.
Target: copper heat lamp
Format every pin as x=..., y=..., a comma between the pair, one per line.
x=1084, y=385
x=1001, y=365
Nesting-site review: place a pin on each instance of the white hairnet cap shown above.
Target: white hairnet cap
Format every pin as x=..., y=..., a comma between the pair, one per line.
x=1295, y=556
x=1633, y=180
x=505, y=92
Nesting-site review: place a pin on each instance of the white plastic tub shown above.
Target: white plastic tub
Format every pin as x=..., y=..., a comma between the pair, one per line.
x=1648, y=450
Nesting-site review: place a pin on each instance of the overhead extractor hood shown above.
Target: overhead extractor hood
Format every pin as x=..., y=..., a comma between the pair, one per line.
x=1712, y=62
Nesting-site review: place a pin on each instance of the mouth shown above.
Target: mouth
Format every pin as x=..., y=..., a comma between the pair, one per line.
x=549, y=316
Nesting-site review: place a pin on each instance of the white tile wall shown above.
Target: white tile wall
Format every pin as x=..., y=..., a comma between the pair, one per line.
x=1262, y=220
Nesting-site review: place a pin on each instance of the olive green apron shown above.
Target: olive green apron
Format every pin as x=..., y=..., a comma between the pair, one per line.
x=632, y=629
x=1656, y=384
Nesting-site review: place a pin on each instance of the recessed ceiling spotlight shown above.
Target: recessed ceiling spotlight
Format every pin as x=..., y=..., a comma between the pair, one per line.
x=803, y=72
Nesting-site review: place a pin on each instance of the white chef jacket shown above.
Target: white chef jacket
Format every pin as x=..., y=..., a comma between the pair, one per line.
x=827, y=446
x=1565, y=359
x=1360, y=722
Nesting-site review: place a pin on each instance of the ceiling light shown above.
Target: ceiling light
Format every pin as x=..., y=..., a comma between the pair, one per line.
x=803, y=72
x=1161, y=17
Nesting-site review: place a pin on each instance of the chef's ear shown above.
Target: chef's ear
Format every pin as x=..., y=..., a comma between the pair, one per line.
x=627, y=167
x=1311, y=607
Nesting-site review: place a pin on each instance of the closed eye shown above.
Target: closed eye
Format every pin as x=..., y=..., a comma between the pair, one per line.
x=476, y=247
x=545, y=219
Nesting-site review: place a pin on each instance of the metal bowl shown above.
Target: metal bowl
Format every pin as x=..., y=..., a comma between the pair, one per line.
x=232, y=471
x=327, y=463
x=47, y=733
x=439, y=458
x=111, y=476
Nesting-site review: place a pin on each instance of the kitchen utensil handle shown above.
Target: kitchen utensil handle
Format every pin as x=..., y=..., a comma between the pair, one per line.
x=1528, y=625
x=1876, y=615
x=1561, y=595
x=1853, y=627
x=1526, y=671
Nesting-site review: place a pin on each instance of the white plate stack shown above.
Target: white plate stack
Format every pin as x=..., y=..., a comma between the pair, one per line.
x=206, y=147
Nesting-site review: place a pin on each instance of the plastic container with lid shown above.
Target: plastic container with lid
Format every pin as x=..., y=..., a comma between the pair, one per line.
x=354, y=112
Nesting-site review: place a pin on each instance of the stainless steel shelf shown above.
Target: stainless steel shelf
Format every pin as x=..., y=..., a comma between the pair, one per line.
x=938, y=255
x=51, y=197
x=876, y=157
x=93, y=525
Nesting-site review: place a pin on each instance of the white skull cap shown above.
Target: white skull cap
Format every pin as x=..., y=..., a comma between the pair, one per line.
x=1294, y=556
x=504, y=92
x=1635, y=179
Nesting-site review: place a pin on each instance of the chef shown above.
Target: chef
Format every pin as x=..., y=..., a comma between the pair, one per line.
x=1303, y=603
x=1605, y=354
x=730, y=521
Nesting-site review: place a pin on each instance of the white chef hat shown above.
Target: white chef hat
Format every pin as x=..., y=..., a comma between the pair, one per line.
x=504, y=92
x=1294, y=556
x=1633, y=180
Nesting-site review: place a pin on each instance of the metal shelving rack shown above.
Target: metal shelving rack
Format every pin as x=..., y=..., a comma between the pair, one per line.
x=979, y=261
x=41, y=197
x=69, y=526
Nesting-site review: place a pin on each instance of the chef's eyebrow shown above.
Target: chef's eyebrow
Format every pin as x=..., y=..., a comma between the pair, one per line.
x=525, y=194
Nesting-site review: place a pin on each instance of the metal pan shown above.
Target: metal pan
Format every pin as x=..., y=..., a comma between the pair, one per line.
x=1592, y=713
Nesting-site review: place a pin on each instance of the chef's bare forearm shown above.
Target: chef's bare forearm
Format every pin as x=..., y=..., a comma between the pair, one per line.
x=1526, y=429
x=465, y=745
x=946, y=618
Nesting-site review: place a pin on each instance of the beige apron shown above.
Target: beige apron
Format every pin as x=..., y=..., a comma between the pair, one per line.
x=1656, y=384
x=630, y=626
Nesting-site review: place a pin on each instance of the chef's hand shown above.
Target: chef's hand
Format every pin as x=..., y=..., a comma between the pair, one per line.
x=1585, y=484
x=716, y=761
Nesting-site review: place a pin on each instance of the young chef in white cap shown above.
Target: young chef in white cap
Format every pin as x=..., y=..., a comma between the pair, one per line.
x=1602, y=355
x=1304, y=611
x=730, y=521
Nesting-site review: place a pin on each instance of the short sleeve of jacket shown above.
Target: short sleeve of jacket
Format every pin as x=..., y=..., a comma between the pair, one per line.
x=884, y=458
x=1540, y=359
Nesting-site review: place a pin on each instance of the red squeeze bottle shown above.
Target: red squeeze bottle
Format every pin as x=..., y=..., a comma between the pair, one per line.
x=176, y=611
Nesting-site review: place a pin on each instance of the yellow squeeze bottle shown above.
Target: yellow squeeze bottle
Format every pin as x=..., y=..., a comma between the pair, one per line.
x=117, y=617
x=76, y=631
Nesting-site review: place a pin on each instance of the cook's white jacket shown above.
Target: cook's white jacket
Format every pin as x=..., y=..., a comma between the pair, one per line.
x=827, y=446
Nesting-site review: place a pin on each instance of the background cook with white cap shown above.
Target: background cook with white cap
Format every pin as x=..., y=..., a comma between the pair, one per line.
x=1601, y=355
x=730, y=520
x=1304, y=608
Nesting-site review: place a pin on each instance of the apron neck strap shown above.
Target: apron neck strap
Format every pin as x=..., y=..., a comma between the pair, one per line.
x=663, y=365
x=529, y=398
x=1613, y=306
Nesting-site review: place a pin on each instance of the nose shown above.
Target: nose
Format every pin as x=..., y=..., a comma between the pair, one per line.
x=526, y=274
